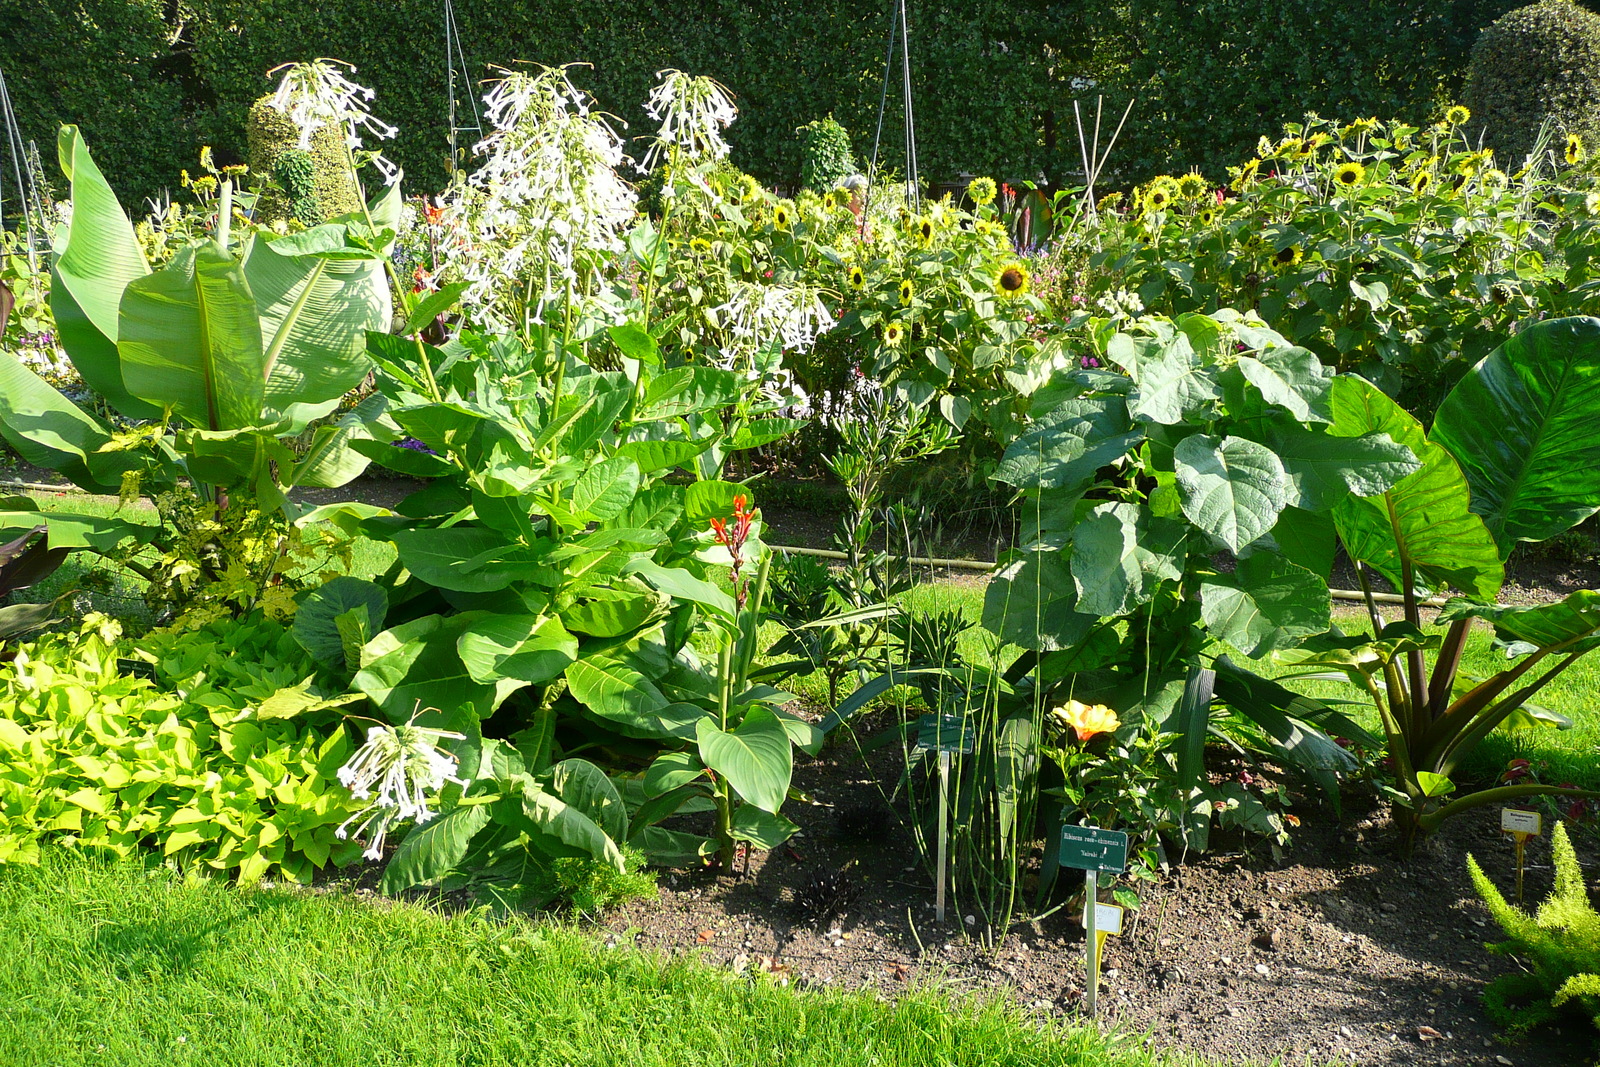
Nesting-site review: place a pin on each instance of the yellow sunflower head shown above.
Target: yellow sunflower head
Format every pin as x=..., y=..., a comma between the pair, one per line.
x=1012, y=281
x=749, y=188
x=924, y=232
x=1207, y=216
x=1574, y=150
x=1493, y=179
x=858, y=278
x=783, y=215
x=907, y=291
x=1457, y=115
x=1421, y=181
x=1286, y=258
x=981, y=190
x=1158, y=196
x=1244, y=175
x=893, y=334
x=700, y=244
x=1349, y=175
x=1109, y=202
x=1193, y=186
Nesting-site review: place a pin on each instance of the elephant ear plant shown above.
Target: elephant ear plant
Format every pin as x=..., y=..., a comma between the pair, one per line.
x=1512, y=456
x=207, y=366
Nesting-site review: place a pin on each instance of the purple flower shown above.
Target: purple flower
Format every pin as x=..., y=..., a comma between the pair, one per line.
x=1088, y=363
x=415, y=446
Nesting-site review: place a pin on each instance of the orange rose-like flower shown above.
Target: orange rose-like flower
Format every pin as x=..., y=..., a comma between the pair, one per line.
x=1087, y=720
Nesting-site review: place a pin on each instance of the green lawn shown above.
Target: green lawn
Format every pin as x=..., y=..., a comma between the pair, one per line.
x=113, y=964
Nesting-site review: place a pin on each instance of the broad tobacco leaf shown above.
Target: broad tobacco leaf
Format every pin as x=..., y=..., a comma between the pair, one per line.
x=1120, y=554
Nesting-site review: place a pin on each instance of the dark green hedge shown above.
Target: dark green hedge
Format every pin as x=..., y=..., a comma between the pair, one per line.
x=150, y=80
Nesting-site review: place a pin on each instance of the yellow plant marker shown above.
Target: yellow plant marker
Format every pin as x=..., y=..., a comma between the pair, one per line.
x=1521, y=825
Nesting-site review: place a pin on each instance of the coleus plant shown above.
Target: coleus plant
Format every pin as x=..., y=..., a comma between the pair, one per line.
x=553, y=581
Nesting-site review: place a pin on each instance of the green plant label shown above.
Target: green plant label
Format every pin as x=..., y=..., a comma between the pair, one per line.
x=1089, y=848
x=944, y=733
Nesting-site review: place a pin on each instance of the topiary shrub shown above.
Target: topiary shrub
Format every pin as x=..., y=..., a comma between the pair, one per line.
x=315, y=185
x=1534, y=64
x=825, y=156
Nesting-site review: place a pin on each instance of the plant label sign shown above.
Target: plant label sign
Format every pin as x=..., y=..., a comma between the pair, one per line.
x=1089, y=848
x=1107, y=919
x=1518, y=821
x=944, y=733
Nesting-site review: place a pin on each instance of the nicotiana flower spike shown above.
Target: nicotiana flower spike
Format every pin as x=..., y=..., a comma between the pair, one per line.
x=396, y=769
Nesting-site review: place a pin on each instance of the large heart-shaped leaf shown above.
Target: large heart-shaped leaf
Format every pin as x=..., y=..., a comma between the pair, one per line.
x=756, y=757
x=1120, y=554
x=1422, y=524
x=1065, y=447
x=1291, y=378
x=189, y=339
x=1324, y=469
x=1522, y=426
x=529, y=648
x=95, y=264
x=1231, y=488
x=1267, y=603
x=1031, y=601
x=1173, y=382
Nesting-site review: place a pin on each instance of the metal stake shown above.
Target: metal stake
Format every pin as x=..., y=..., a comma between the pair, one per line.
x=1091, y=928
x=944, y=823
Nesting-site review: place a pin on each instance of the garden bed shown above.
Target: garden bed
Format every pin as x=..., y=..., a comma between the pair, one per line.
x=1342, y=951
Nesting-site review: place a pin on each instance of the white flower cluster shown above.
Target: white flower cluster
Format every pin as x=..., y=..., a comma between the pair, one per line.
x=1121, y=304
x=545, y=199
x=791, y=316
x=403, y=764
x=693, y=112
x=318, y=94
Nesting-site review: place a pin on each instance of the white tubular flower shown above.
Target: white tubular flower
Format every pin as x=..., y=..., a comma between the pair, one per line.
x=318, y=94
x=547, y=200
x=792, y=317
x=693, y=112
x=403, y=764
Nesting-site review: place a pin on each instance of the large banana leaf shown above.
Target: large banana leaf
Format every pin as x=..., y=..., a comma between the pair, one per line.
x=1522, y=425
x=190, y=340
x=1422, y=524
x=1571, y=624
x=316, y=304
x=48, y=430
x=96, y=259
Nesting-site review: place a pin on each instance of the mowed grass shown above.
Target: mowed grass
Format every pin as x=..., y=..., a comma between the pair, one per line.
x=114, y=964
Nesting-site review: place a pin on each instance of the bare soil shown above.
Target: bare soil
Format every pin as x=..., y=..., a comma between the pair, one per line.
x=1341, y=950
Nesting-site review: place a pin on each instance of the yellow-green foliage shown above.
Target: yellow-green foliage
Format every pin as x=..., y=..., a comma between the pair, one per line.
x=92, y=757
x=271, y=134
x=1560, y=942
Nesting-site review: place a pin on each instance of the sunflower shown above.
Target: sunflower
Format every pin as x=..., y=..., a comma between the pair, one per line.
x=1109, y=202
x=1288, y=257
x=1493, y=178
x=893, y=334
x=1457, y=115
x=1193, y=186
x=749, y=188
x=700, y=244
x=858, y=278
x=924, y=232
x=1208, y=216
x=1158, y=197
x=1359, y=128
x=1012, y=279
x=1574, y=150
x=1348, y=175
x=907, y=291
x=981, y=190
x=839, y=198
x=1421, y=182
x=1243, y=176
x=783, y=215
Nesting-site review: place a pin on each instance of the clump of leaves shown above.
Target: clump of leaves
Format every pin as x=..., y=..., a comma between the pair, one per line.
x=1560, y=943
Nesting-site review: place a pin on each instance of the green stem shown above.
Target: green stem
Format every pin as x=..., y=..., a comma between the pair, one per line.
x=1432, y=819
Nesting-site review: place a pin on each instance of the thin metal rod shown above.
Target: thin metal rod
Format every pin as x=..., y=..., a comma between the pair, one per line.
x=944, y=834
x=911, y=127
x=883, y=103
x=1091, y=929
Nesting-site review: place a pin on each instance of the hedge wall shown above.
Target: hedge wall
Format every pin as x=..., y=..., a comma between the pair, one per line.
x=151, y=80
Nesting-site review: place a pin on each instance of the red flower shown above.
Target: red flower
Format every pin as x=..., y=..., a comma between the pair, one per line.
x=733, y=533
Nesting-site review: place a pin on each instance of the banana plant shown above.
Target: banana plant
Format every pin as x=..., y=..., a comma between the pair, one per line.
x=1512, y=456
x=213, y=362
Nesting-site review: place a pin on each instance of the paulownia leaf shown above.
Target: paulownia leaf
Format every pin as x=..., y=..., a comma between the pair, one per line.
x=1231, y=488
x=1267, y=603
